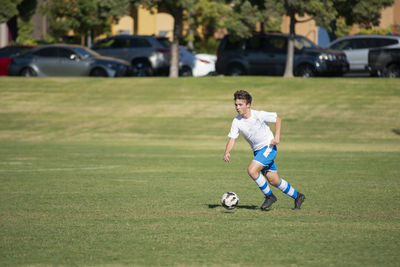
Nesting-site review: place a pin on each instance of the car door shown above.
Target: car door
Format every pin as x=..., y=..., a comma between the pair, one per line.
x=275, y=48
x=71, y=63
x=256, y=57
x=114, y=47
x=359, y=55
x=46, y=61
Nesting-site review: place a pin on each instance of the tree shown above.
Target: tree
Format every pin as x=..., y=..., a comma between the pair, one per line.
x=175, y=8
x=366, y=13
x=26, y=9
x=204, y=17
x=84, y=17
x=321, y=11
x=8, y=9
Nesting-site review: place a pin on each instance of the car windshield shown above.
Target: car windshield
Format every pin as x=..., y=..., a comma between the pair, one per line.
x=85, y=52
x=301, y=43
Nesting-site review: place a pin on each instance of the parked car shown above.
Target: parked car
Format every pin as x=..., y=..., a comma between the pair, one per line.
x=356, y=48
x=191, y=64
x=265, y=54
x=146, y=54
x=66, y=60
x=7, y=52
x=385, y=62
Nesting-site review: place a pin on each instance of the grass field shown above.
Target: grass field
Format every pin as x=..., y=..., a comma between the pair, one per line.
x=130, y=172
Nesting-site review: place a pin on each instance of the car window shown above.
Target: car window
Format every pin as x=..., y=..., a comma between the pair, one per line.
x=120, y=43
x=372, y=42
x=85, y=52
x=232, y=44
x=140, y=42
x=113, y=43
x=164, y=42
x=103, y=43
x=7, y=51
x=301, y=43
x=386, y=41
x=343, y=45
x=255, y=43
x=47, y=52
x=275, y=44
x=13, y=50
x=363, y=43
x=67, y=53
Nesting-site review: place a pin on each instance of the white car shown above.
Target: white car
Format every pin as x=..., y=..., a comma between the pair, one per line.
x=356, y=48
x=191, y=64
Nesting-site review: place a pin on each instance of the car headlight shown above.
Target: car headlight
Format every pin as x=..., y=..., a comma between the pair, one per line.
x=323, y=56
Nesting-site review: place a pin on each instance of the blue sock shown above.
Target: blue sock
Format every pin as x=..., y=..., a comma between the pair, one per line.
x=263, y=185
x=286, y=188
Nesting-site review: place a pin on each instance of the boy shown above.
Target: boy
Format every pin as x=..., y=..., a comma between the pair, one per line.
x=253, y=125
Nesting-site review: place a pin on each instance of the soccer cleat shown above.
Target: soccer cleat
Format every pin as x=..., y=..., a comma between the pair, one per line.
x=298, y=201
x=269, y=200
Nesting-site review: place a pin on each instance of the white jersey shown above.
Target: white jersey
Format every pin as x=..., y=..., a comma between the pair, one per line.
x=254, y=129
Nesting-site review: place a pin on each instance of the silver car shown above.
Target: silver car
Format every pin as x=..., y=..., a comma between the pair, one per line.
x=356, y=48
x=147, y=55
x=66, y=60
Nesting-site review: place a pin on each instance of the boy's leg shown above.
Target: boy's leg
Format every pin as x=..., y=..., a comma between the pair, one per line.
x=255, y=172
x=286, y=188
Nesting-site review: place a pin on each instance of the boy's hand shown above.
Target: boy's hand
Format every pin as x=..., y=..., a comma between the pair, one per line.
x=275, y=141
x=227, y=157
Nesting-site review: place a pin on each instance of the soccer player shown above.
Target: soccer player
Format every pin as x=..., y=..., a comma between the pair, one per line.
x=253, y=125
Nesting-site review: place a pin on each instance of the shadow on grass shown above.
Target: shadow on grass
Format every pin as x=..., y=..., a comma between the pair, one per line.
x=247, y=207
x=396, y=131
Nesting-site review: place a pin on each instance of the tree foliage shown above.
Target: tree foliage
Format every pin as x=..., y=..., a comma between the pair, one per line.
x=366, y=13
x=8, y=9
x=84, y=16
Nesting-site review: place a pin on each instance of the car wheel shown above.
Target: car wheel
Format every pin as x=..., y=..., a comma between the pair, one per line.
x=98, y=72
x=393, y=71
x=185, y=71
x=305, y=71
x=236, y=70
x=28, y=72
x=141, y=68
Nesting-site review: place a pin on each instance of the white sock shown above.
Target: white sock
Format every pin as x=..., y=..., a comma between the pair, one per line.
x=263, y=185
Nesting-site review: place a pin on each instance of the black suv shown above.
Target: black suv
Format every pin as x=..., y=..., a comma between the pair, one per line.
x=265, y=54
x=385, y=62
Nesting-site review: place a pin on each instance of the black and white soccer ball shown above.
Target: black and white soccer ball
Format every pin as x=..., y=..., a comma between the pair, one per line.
x=229, y=200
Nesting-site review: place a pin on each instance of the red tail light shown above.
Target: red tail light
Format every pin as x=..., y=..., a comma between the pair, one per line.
x=163, y=50
x=205, y=61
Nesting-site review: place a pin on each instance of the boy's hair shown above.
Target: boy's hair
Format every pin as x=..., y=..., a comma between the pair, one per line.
x=242, y=94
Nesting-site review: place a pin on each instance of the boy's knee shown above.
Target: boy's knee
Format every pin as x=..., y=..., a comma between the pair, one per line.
x=253, y=173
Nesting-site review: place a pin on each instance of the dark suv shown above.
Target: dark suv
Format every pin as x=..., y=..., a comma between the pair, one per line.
x=147, y=55
x=265, y=54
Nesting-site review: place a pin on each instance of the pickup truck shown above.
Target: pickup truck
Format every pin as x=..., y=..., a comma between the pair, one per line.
x=384, y=62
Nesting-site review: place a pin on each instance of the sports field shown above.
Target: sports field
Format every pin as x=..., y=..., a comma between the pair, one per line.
x=129, y=172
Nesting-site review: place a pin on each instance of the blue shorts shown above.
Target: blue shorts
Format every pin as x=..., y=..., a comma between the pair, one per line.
x=266, y=156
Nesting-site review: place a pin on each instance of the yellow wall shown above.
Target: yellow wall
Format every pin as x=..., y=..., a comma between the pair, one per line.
x=125, y=24
x=148, y=24
x=308, y=29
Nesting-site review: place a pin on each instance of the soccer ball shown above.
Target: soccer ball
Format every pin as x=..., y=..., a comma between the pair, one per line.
x=229, y=200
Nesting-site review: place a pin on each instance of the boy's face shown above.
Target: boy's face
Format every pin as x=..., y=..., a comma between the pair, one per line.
x=242, y=107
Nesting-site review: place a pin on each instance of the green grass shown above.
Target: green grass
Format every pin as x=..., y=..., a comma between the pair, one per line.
x=130, y=172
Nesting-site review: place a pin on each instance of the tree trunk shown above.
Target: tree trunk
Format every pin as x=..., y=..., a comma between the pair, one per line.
x=174, y=64
x=290, y=48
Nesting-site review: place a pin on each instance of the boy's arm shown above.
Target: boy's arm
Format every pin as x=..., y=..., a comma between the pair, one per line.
x=278, y=126
x=229, y=147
